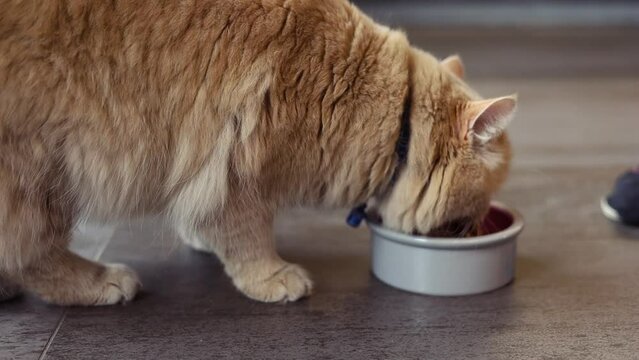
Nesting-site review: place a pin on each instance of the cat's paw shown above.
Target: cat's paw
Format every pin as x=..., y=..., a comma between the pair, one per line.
x=120, y=285
x=289, y=282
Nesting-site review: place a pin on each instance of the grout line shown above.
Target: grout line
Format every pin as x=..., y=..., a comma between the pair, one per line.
x=96, y=257
x=53, y=335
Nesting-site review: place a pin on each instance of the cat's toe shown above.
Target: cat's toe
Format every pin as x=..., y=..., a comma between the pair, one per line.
x=289, y=283
x=121, y=284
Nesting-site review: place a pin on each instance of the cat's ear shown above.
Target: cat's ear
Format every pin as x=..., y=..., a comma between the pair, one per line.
x=455, y=65
x=485, y=119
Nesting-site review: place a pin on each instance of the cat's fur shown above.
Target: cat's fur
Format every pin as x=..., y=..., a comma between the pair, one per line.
x=215, y=114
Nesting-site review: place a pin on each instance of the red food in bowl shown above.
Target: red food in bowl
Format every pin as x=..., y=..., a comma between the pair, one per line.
x=495, y=221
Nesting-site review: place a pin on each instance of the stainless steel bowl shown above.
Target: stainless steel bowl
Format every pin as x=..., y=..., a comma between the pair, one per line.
x=448, y=266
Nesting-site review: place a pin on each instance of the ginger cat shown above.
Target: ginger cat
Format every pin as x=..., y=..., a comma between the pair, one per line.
x=215, y=114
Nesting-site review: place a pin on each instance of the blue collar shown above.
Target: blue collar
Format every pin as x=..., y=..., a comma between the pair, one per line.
x=358, y=213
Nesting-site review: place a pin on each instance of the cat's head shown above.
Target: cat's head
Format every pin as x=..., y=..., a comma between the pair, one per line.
x=458, y=154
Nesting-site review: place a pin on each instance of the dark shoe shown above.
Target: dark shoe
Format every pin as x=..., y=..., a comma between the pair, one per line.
x=622, y=205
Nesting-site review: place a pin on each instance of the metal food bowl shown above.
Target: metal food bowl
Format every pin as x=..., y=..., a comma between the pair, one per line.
x=449, y=266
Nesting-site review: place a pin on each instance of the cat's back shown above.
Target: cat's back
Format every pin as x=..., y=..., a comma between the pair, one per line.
x=94, y=44
x=144, y=88
x=144, y=49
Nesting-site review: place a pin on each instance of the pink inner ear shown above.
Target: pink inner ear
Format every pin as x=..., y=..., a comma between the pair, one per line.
x=488, y=118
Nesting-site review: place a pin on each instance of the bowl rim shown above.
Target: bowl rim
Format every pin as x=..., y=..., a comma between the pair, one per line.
x=508, y=234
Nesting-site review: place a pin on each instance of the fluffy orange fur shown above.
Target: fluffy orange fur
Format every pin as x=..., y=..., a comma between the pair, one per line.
x=215, y=114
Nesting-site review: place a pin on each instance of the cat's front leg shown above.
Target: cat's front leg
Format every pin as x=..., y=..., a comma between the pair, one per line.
x=244, y=242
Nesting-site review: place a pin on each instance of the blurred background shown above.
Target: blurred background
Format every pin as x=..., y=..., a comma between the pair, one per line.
x=575, y=66
x=503, y=12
